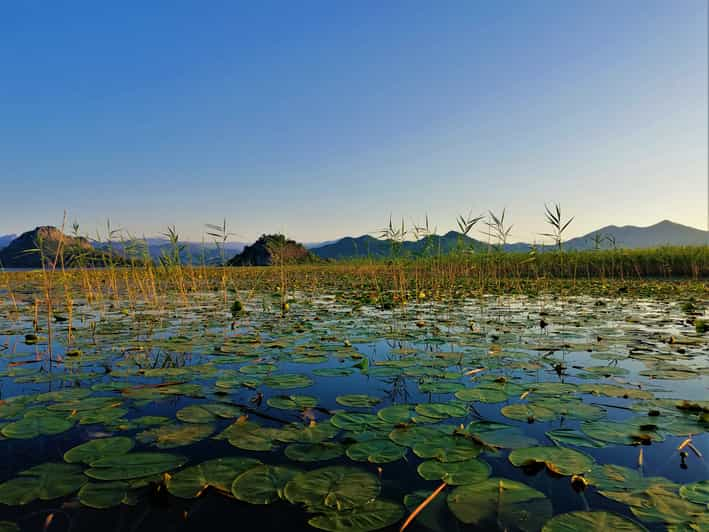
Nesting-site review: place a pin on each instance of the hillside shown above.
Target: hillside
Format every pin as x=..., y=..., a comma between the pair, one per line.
x=368, y=246
x=273, y=249
x=634, y=237
x=22, y=252
x=6, y=239
x=628, y=237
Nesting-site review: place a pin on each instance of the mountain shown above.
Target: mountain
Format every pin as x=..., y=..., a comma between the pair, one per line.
x=271, y=249
x=630, y=236
x=6, y=239
x=22, y=252
x=190, y=252
x=368, y=246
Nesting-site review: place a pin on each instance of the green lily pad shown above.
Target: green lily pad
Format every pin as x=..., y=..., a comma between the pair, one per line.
x=559, y=460
x=355, y=421
x=207, y=413
x=262, y=484
x=397, y=414
x=133, y=465
x=500, y=503
x=171, y=436
x=287, y=381
x=591, y=522
x=248, y=435
x=441, y=410
x=94, y=449
x=528, y=412
x=446, y=448
x=218, y=473
x=627, y=432
x=357, y=400
x=482, y=394
x=376, y=451
x=455, y=473
x=31, y=427
x=45, y=481
x=337, y=487
x=499, y=435
x=411, y=435
x=572, y=437
x=697, y=492
x=102, y=495
x=292, y=402
x=314, y=452
x=372, y=515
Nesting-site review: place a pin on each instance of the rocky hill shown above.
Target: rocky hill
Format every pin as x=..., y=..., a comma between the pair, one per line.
x=23, y=251
x=271, y=250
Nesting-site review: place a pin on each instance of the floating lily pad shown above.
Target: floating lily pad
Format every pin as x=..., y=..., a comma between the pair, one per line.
x=218, y=473
x=134, y=465
x=171, y=436
x=287, y=381
x=455, y=473
x=373, y=515
x=697, y=492
x=528, y=412
x=31, y=427
x=377, y=451
x=102, y=495
x=94, y=449
x=559, y=460
x=314, y=452
x=357, y=400
x=446, y=448
x=500, y=503
x=45, y=481
x=292, y=402
x=396, y=414
x=262, y=484
x=591, y=522
x=441, y=410
x=337, y=487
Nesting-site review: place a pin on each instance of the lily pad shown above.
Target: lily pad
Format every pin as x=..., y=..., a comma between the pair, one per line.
x=314, y=452
x=45, y=481
x=102, y=495
x=372, y=515
x=337, y=487
x=262, y=484
x=292, y=402
x=357, y=400
x=500, y=503
x=133, y=465
x=31, y=427
x=377, y=451
x=455, y=473
x=218, y=473
x=94, y=449
x=559, y=460
x=591, y=522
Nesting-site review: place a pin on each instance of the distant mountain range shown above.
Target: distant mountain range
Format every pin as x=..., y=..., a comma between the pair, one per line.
x=627, y=236
x=13, y=248
x=190, y=252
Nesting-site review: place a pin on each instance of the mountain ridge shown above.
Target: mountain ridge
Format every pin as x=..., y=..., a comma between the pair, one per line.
x=661, y=233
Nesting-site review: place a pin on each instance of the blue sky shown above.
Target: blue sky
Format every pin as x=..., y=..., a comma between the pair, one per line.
x=321, y=119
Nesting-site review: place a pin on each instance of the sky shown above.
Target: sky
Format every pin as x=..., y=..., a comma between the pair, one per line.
x=322, y=119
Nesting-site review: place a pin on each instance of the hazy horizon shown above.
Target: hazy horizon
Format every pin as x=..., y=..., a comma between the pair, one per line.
x=322, y=120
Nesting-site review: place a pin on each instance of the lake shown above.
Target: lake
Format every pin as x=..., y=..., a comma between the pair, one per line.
x=346, y=417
